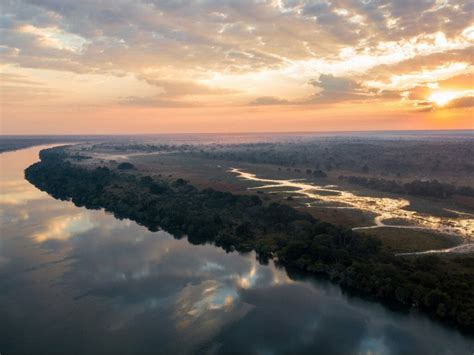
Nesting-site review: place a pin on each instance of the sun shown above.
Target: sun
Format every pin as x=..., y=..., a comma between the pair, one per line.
x=443, y=97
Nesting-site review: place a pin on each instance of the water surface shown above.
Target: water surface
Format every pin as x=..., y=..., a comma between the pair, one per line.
x=74, y=280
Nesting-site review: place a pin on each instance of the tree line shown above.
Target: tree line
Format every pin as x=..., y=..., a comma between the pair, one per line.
x=425, y=188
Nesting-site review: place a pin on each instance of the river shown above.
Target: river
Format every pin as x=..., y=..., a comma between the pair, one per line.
x=74, y=280
x=384, y=208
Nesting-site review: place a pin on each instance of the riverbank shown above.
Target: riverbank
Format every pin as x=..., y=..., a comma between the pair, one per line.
x=441, y=287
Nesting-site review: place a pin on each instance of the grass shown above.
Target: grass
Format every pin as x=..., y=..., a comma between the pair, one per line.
x=349, y=218
x=397, y=240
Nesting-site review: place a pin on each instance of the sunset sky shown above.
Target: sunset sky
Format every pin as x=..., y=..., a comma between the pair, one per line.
x=162, y=66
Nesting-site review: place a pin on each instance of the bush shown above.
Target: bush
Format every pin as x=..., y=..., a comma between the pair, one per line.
x=126, y=166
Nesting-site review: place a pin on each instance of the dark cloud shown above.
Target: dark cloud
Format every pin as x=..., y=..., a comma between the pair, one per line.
x=268, y=100
x=334, y=89
x=330, y=83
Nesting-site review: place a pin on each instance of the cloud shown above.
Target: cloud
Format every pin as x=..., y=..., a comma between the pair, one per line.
x=419, y=63
x=459, y=103
x=463, y=80
x=466, y=102
x=11, y=78
x=155, y=101
x=330, y=83
x=419, y=93
x=175, y=93
x=347, y=44
x=173, y=88
x=268, y=100
x=17, y=88
x=334, y=89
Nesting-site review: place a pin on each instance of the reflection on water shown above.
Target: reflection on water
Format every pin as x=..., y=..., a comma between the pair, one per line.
x=81, y=281
x=384, y=208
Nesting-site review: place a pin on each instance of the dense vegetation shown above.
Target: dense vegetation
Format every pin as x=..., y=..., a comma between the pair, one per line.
x=443, y=287
x=126, y=166
x=429, y=188
x=384, y=157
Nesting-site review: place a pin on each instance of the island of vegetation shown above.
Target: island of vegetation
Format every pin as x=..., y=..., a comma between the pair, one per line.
x=442, y=287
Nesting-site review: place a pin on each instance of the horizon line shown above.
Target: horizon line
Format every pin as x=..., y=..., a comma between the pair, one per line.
x=234, y=133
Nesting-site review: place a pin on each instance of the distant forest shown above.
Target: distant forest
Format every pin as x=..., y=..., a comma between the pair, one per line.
x=430, y=188
x=384, y=159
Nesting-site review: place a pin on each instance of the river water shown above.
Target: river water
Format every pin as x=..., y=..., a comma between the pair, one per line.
x=74, y=280
x=383, y=207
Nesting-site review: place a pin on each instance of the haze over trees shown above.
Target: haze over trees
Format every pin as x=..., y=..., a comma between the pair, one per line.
x=429, y=188
x=411, y=160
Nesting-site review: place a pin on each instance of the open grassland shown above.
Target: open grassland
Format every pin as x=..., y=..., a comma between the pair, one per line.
x=398, y=240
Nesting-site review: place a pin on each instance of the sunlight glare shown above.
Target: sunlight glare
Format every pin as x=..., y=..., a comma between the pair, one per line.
x=443, y=97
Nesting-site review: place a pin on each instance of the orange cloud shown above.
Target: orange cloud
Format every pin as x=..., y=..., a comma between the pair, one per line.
x=89, y=67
